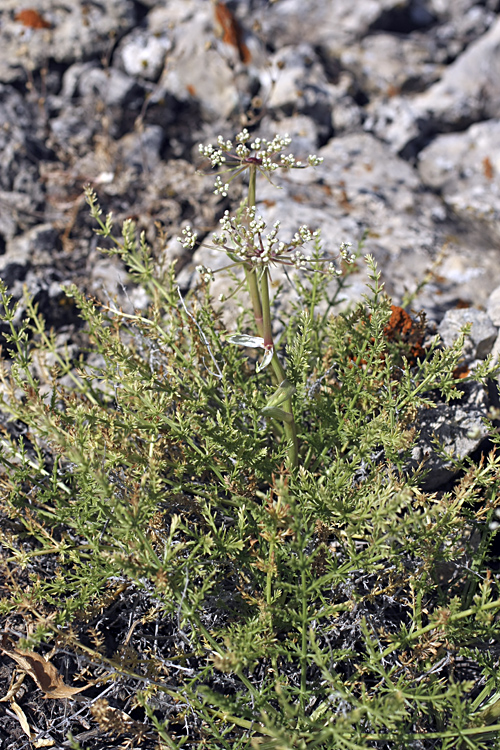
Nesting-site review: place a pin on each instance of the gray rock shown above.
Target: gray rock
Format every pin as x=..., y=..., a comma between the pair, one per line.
x=16, y=212
x=333, y=25
x=72, y=128
x=72, y=76
x=479, y=342
x=297, y=83
x=196, y=69
x=347, y=116
x=77, y=31
x=20, y=145
x=301, y=128
x=110, y=86
x=13, y=271
x=468, y=90
x=141, y=150
x=86, y=89
x=464, y=22
x=385, y=64
x=397, y=122
x=458, y=427
x=451, y=10
x=34, y=246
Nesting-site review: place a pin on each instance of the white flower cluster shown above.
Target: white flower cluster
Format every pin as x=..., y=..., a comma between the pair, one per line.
x=259, y=153
x=300, y=260
x=260, y=146
x=245, y=240
x=245, y=237
x=188, y=239
x=303, y=235
x=332, y=270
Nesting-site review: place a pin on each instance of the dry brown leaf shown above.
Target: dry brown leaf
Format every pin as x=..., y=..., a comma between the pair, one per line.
x=42, y=671
x=21, y=717
x=32, y=18
x=231, y=30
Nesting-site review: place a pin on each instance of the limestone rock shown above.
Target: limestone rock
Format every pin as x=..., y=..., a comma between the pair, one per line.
x=465, y=167
x=459, y=429
x=482, y=335
x=74, y=31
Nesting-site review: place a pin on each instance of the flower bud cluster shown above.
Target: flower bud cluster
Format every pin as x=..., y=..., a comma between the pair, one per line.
x=220, y=187
x=216, y=155
x=206, y=273
x=346, y=253
x=188, y=239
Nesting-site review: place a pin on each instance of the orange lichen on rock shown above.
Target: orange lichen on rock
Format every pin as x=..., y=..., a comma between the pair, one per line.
x=32, y=18
x=404, y=338
x=402, y=329
x=231, y=30
x=461, y=371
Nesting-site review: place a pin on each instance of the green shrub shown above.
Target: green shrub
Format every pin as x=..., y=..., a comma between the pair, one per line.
x=312, y=594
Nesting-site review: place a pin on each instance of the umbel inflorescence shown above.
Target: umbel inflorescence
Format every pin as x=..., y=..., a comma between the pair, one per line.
x=243, y=237
x=266, y=156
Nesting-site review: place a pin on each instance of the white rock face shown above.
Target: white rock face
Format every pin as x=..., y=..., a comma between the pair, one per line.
x=195, y=72
x=143, y=54
x=333, y=24
x=493, y=308
x=469, y=88
x=465, y=168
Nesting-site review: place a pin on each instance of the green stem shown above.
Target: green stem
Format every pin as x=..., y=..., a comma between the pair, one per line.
x=266, y=309
x=250, y=273
x=279, y=372
x=262, y=311
x=252, y=182
x=253, y=289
